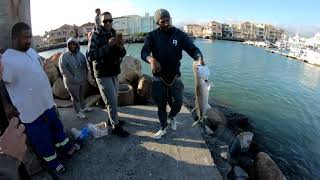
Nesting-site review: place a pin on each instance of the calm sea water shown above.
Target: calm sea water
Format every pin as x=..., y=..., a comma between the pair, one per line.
x=280, y=96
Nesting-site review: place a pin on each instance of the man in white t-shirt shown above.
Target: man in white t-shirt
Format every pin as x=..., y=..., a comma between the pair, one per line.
x=31, y=93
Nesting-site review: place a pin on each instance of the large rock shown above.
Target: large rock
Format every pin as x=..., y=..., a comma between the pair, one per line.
x=239, y=173
x=130, y=70
x=125, y=95
x=55, y=59
x=92, y=100
x=63, y=103
x=144, y=89
x=267, y=169
x=245, y=139
x=59, y=90
x=215, y=118
x=51, y=71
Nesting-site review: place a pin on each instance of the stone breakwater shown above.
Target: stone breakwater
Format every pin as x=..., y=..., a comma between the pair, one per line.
x=233, y=146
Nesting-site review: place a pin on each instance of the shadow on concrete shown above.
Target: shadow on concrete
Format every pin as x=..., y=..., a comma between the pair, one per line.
x=181, y=154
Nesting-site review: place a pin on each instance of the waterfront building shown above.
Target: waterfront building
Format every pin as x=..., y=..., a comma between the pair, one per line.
x=193, y=30
x=236, y=31
x=213, y=29
x=84, y=31
x=131, y=24
x=248, y=31
x=260, y=32
x=61, y=34
x=227, y=31
x=38, y=41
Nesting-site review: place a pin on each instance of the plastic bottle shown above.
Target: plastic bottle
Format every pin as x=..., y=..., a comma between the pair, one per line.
x=76, y=133
x=80, y=135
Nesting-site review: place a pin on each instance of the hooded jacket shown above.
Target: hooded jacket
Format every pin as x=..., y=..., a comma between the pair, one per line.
x=166, y=48
x=73, y=66
x=105, y=59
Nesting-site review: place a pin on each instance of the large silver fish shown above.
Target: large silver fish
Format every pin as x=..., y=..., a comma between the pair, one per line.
x=202, y=88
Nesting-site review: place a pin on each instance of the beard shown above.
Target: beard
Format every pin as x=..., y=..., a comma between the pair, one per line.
x=167, y=29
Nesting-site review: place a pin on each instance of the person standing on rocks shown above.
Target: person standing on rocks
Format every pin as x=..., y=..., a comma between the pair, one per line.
x=73, y=67
x=105, y=52
x=163, y=51
x=30, y=91
x=97, y=20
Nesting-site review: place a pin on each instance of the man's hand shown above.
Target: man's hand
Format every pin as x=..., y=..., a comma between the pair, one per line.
x=116, y=41
x=13, y=141
x=155, y=65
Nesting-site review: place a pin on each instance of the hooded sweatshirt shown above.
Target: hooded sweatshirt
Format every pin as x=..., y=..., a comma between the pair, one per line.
x=166, y=48
x=73, y=66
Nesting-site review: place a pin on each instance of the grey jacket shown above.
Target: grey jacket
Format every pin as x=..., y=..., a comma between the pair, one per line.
x=8, y=167
x=73, y=66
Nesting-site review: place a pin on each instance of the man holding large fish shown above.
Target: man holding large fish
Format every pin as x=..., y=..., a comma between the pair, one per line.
x=163, y=51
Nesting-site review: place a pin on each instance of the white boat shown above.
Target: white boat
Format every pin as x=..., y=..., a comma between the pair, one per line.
x=311, y=56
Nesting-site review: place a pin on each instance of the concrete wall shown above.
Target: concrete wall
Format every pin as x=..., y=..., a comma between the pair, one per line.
x=11, y=12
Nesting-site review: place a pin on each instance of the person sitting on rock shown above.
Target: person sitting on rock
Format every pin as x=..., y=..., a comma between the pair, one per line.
x=105, y=52
x=30, y=91
x=73, y=67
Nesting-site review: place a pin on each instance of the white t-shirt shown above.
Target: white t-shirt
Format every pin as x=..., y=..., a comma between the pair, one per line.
x=27, y=83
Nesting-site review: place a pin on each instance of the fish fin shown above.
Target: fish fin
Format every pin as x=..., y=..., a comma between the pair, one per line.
x=196, y=122
x=208, y=106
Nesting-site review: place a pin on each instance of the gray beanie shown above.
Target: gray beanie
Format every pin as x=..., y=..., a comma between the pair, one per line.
x=159, y=14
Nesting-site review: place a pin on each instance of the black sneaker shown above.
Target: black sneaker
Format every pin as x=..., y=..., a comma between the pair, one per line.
x=121, y=123
x=119, y=131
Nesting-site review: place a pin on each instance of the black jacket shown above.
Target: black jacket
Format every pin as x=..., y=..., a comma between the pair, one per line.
x=166, y=48
x=105, y=59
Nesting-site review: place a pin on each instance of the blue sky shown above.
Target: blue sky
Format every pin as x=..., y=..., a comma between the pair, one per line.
x=302, y=14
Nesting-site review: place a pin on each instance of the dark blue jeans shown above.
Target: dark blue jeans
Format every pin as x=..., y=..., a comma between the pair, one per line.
x=164, y=95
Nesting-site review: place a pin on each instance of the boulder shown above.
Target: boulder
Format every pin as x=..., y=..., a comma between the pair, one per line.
x=245, y=139
x=63, y=103
x=55, y=59
x=92, y=100
x=125, y=95
x=239, y=173
x=130, y=70
x=144, y=89
x=214, y=118
x=267, y=169
x=51, y=70
x=59, y=90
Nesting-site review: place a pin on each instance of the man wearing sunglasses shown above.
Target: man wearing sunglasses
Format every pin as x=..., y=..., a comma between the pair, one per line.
x=105, y=52
x=163, y=51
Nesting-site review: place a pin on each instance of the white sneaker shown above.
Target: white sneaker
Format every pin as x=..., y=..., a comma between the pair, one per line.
x=159, y=134
x=173, y=123
x=86, y=109
x=81, y=115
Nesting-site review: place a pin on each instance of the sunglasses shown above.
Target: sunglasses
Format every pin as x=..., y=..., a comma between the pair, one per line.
x=107, y=21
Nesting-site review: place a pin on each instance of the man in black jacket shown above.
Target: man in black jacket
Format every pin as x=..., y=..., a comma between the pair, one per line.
x=105, y=52
x=163, y=51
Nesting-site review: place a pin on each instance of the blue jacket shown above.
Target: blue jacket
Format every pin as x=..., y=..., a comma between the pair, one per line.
x=166, y=48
